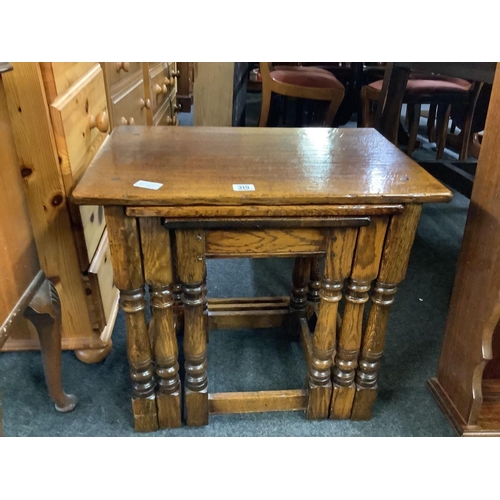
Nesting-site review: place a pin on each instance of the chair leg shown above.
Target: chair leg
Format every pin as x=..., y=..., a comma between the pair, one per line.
x=431, y=123
x=464, y=150
x=414, y=115
x=367, y=116
x=265, y=106
x=443, y=117
x=333, y=108
x=364, y=105
x=45, y=313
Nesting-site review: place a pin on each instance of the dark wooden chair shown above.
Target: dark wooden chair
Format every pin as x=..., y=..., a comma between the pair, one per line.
x=470, y=120
x=25, y=291
x=439, y=92
x=300, y=82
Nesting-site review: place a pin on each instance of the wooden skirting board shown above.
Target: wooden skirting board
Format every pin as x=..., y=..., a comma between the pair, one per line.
x=488, y=425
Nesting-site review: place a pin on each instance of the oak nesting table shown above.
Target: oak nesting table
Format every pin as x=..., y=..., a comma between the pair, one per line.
x=174, y=197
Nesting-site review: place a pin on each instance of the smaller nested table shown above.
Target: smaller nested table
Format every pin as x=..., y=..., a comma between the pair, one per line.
x=174, y=197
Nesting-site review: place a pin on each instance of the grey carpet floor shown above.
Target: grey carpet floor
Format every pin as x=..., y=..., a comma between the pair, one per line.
x=266, y=359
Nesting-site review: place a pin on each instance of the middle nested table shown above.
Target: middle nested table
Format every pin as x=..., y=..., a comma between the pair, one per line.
x=174, y=197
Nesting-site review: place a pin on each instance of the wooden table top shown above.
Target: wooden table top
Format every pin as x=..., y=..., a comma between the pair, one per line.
x=286, y=166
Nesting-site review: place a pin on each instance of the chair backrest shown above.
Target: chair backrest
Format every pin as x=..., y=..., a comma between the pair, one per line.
x=265, y=70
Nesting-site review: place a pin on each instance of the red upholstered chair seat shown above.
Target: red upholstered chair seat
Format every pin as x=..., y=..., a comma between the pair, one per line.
x=306, y=77
x=311, y=83
x=416, y=86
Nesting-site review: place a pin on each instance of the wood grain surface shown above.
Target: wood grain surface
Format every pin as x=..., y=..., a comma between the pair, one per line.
x=286, y=166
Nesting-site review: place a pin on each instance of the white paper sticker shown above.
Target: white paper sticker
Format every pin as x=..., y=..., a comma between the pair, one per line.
x=148, y=185
x=243, y=187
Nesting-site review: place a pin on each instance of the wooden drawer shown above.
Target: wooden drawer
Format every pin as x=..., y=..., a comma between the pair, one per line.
x=81, y=123
x=174, y=74
x=164, y=115
x=117, y=72
x=58, y=77
x=161, y=85
x=93, y=224
x=101, y=283
x=131, y=108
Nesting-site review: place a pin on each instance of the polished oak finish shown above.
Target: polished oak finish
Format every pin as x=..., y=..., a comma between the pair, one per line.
x=346, y=195
x=365, y=268
x=158, y=273
x=248, y=211
x=286, y=166
x=129, y=278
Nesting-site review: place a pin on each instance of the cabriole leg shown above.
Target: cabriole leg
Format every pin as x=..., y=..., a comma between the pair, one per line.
x=44, y=311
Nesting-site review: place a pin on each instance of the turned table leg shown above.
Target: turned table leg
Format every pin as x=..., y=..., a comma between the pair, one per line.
x=338, y=258
x=158, y=272
x=314, y=285
x=44, y=311
x=128, y=275
x=298, y=297
x=398, y=243
x=191, y=266
x=365, y=266
x=176, y=289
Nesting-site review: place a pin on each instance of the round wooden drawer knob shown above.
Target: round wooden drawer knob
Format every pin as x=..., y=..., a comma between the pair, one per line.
x=145, y=104
x=169, y=81
x=176, y=74
x=124, y=121
x=169, y=120
x=100, y=121
x=125, y=66
x=160, y=90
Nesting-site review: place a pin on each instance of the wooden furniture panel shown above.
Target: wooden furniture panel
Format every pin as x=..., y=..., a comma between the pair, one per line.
x=26, y=293
x=143, y=95
x=265, y=242
x=101, y=281
x=185, y=85
x=119, y=72
x=130, y=109
x=81, y=124
x=19, y=260
x=160, y=84
x=58, y=77
x=94, y=224
x=200, y=168
x=470, y=401
x=219, y=92
x=56, y=136
x=165, y=115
